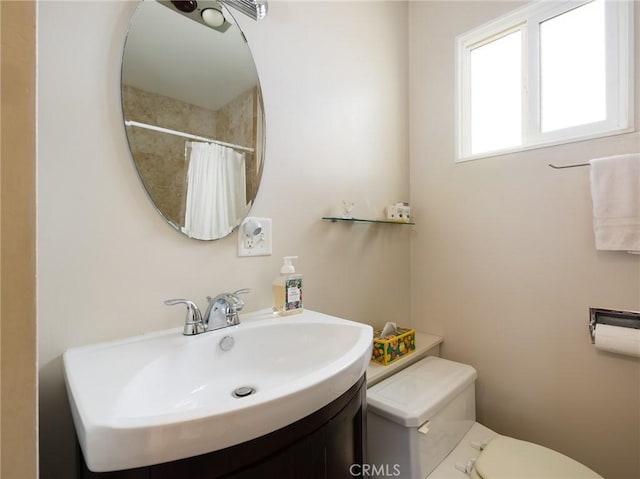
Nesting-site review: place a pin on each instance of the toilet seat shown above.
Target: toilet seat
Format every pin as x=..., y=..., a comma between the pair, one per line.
x=505, y=458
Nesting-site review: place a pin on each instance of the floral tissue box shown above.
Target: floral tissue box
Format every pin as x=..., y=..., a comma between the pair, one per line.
x=389, y=348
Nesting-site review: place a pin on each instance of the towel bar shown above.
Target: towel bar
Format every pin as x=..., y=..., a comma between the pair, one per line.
x=612, y=317
x=567, y=166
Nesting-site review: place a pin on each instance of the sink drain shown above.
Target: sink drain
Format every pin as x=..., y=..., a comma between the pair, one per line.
x=243, y=392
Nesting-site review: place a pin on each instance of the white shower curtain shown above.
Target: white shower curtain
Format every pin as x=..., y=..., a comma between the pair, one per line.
x=216, y=191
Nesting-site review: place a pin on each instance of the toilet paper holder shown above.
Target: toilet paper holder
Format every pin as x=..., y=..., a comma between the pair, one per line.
x=612, y=317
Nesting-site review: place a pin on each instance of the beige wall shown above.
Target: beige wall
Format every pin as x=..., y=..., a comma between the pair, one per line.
x=18, y=438
x=336, y=120
x=502, y=257
x=503, y=265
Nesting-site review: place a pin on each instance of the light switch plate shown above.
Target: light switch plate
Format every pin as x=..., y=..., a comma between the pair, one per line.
x=258, y=245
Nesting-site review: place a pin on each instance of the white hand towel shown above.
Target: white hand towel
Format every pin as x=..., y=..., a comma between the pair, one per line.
x=615, y=192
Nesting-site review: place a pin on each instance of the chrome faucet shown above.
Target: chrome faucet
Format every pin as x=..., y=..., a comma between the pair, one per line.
x=222, y=312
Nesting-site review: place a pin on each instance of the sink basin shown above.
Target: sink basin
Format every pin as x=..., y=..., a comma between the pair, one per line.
x=163, y=396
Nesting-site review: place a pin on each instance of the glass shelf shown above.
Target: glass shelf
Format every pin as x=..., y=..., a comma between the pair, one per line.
x=333, y=219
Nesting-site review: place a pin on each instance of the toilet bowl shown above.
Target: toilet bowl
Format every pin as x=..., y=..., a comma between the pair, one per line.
x=421, y=422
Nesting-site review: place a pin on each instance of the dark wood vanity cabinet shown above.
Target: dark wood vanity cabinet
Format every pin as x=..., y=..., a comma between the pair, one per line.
x=323, y=445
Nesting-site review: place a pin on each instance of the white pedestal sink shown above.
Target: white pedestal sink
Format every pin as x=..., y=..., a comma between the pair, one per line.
x=163, y=396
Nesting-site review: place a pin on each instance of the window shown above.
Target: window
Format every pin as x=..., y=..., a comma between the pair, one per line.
x=549, y=73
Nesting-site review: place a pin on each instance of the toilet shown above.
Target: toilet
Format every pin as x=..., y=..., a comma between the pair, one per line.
x=421, y=423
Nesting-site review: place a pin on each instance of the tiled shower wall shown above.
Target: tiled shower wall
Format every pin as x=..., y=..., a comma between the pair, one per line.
x=160, y=158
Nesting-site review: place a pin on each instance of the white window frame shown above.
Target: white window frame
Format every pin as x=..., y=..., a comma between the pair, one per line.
x=620, y=75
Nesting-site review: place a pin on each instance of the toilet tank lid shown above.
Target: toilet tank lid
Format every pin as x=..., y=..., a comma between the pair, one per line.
x=414, y=395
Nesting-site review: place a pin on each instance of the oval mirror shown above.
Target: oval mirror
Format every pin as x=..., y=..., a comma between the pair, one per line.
x=193, y=114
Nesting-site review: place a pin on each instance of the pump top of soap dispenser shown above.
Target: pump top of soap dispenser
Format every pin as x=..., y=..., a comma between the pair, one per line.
x=287, y=267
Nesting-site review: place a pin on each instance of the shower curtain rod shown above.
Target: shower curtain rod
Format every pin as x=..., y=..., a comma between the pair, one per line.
x=186, y=135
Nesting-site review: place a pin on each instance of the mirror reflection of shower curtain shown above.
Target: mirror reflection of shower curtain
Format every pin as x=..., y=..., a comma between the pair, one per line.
x=216, y=190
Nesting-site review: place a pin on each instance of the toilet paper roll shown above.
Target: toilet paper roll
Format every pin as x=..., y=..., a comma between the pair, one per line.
x=618, y=340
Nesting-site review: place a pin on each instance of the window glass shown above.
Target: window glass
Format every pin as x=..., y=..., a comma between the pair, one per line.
x=573, y=68
x=548, y=73
x=496, y=94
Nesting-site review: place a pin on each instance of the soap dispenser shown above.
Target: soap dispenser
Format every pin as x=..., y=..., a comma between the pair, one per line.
x=287, y=289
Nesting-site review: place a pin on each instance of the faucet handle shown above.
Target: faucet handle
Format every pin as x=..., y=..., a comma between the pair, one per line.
x=239, y=302
x=193, y=322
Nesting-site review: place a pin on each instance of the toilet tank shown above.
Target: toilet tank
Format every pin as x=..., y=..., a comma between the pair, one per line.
x=419, y=415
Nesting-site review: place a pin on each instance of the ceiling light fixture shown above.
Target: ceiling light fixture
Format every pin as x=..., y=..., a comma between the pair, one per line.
x=212, y=12
x=256, y=9
x=205, y=12
x=212, y=17
x=186, y=6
